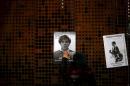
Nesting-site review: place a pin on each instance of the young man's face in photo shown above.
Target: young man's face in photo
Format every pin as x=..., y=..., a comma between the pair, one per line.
x=64, y=44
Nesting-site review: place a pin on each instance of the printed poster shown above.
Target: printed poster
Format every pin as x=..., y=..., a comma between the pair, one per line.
x=115, y=50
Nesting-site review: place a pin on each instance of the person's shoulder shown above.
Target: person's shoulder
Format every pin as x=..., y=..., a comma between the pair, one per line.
x=57, y=52
x=71, y=51
x=58, y=55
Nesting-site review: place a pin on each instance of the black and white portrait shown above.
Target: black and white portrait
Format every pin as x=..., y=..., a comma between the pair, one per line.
x=115, y=50
x=64, y=45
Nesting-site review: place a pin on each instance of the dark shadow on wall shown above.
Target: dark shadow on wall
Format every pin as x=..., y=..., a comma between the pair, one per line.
x=77, y=73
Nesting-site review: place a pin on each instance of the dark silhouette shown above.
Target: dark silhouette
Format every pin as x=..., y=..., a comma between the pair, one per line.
x=77, y=73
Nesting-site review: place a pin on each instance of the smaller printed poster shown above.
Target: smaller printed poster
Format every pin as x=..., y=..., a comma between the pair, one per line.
x=64, y=46
x=115, y=50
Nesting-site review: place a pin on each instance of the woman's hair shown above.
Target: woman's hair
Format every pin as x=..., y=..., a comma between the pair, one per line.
x=63, y=38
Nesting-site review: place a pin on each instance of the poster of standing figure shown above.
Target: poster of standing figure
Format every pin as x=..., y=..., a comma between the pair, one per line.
x=115, y=50
x=64, y=45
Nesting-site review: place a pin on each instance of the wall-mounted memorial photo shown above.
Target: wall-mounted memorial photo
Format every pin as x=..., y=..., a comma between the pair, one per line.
x=115, y=50
x=64, y=45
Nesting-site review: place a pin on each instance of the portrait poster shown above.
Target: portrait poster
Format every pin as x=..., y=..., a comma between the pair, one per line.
x=115, y=50
x=64, y=45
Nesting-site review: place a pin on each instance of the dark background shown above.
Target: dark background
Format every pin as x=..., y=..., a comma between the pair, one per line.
x=26, y=38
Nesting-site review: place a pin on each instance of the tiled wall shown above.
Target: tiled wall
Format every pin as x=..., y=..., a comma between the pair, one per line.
x=26, y=42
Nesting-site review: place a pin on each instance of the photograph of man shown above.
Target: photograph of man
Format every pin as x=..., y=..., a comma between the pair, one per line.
x=116, y=52
x=65, y=52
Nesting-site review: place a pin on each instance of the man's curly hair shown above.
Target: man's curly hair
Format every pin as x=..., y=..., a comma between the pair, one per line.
x=64, y=37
